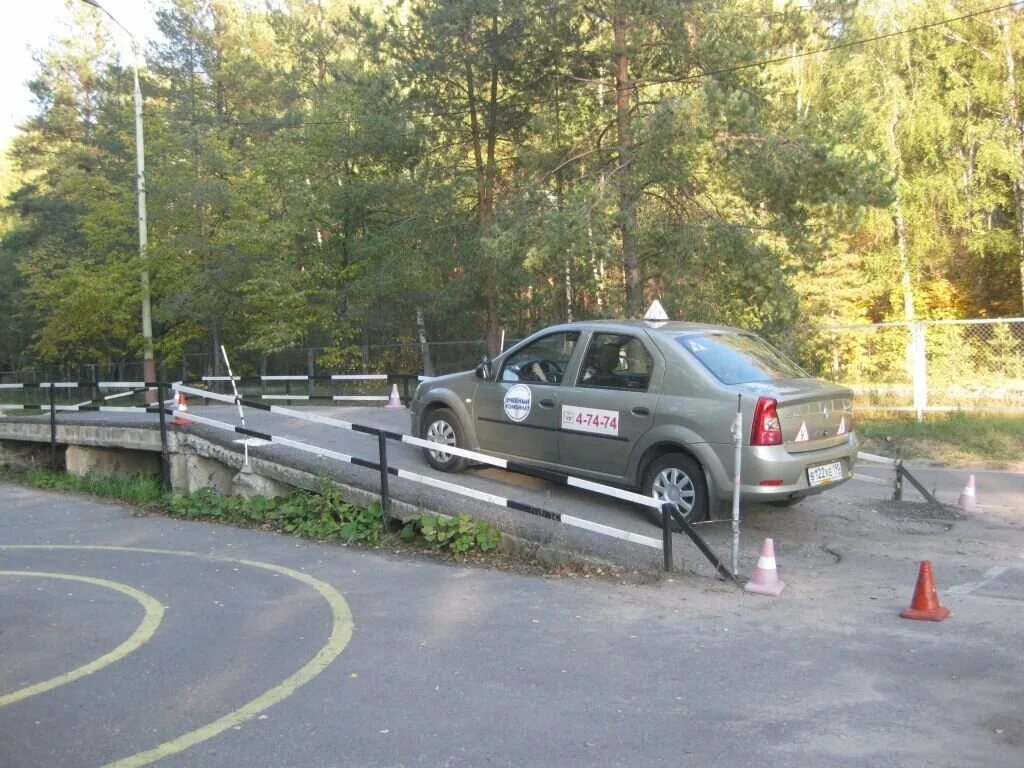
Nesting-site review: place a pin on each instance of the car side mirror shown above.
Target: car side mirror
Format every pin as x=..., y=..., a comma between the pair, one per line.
x=483, y=371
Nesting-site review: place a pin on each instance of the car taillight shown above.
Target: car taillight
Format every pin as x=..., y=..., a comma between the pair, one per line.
x=766, y=429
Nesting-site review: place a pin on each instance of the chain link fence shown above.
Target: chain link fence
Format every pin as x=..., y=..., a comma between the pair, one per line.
x=929, y=366
x=920, y=367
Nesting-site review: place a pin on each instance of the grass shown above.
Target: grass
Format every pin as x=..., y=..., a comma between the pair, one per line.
x=957, y=439
x=140, y=490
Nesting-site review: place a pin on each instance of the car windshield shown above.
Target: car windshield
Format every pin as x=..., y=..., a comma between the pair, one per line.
x=738, y=358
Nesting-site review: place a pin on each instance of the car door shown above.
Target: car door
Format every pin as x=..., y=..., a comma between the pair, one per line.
x=516, y=412
x=611, y=404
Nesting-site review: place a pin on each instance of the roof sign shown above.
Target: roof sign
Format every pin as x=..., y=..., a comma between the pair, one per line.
x=656, y=311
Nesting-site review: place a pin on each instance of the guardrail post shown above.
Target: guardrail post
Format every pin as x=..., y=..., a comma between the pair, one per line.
x=53, y=427
x=385, y=496
x=165, y=459
x=666, y=534
x=310, y=367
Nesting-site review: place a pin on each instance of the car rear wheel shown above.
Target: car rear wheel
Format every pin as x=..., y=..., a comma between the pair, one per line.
x=677, y=478
x=442, y=426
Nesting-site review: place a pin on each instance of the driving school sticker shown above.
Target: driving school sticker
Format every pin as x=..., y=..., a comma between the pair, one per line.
x=594, y=420
x=518, y=402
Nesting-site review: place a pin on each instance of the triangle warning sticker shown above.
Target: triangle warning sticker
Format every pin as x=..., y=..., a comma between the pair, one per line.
x=842, y=427
x=801, y=436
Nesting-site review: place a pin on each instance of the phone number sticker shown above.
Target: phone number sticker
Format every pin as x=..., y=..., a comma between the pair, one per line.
x=595, y=420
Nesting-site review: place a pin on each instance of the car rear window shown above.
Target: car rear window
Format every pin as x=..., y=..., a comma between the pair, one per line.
x=738, y=358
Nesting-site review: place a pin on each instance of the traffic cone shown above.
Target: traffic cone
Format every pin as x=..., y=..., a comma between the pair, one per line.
x=925, y=605
x=765, y=580
x=968, y=501
x=395, y=401
x=180, y=410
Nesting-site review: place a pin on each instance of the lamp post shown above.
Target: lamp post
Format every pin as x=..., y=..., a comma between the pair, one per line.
x=148, y=361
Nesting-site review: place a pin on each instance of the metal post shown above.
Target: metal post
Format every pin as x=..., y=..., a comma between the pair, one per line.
x=53, y=427
x=165, y=459
x=897, y=491
x=666, y=534
x=385, y=497
x=738, y=436
x=311, y=358
x=920, y=369
x=148, y=361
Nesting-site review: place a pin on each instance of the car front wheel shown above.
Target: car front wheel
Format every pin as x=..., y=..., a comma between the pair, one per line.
x=443, y=427
x=678, y=479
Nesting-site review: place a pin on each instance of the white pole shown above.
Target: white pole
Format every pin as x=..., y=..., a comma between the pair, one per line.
x=502, y=349
x=737, y=431
x=148, y=359
x=238, y=400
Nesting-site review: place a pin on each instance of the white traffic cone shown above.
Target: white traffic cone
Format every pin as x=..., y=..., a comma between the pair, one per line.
x=395, y=401
x=968, y=501
x=180, y=410
x=765, y=580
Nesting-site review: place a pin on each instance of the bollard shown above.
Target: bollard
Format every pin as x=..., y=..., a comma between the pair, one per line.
x=53, y=427
x=385, y=498
x=165, y=459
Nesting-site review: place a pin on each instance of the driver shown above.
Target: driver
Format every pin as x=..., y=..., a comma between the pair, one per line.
x=538, y=372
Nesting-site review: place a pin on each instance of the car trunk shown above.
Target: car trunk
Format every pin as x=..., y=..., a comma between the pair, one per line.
x=814, y=414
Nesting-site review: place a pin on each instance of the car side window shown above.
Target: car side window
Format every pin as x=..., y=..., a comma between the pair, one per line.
x=542, y=362
x=616, y=361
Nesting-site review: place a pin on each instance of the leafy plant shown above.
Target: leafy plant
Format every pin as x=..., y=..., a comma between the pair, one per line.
x=457, y=535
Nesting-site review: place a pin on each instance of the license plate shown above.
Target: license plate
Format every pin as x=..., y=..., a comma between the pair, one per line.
x=825, y=473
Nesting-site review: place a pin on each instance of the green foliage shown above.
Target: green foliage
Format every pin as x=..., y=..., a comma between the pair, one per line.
x=457, y=535
x=953, y=438
x=324, y=516
x=460, y=161
x=142, y=490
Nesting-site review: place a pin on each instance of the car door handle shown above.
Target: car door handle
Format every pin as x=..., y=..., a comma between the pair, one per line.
x=547, y=403
x=641, y=410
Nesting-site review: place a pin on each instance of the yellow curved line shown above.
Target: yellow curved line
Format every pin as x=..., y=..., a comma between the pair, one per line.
x=341, y=632
x=154, y=614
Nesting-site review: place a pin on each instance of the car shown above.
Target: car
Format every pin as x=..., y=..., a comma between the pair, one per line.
x=648, y=406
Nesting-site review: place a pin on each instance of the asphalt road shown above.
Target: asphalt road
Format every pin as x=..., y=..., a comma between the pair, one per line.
x=366, y=658
x=998, y=492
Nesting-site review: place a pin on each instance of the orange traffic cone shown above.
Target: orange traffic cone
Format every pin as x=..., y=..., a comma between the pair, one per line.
x=395, y=401
x=925, y=605
x=968, y=501
x=765, y=580
x=180, y=410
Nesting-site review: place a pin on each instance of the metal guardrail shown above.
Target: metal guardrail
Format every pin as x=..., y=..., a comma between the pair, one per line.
x=669, y=512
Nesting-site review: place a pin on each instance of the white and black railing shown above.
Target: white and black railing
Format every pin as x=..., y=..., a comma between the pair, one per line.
x=329, y=387
x=131, y=388
x=669, y=512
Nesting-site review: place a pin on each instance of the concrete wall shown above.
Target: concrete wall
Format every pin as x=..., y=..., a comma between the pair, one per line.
x=111, y=462
x=23, y=454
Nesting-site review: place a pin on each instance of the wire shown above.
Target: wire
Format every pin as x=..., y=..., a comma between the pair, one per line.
x=824, y=49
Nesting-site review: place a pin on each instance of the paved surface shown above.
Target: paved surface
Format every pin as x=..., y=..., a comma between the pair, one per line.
x=459, y=667
x=1001, y=493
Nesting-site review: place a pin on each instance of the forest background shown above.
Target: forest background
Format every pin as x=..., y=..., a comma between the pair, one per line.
x=337, y=174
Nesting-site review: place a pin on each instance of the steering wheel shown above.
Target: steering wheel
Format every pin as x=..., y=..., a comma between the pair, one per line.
x=552, y=370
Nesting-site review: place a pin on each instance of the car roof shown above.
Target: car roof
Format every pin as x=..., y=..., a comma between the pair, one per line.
x=652, y=326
